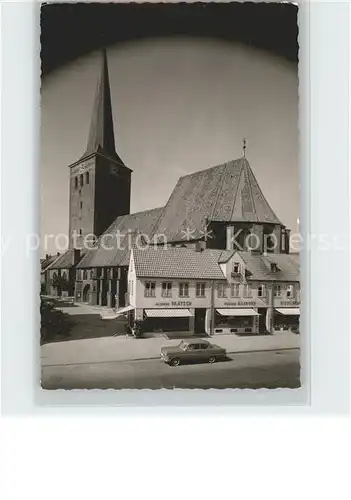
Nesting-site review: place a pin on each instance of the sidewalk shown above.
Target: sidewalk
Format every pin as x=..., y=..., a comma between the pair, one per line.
x=123, y=348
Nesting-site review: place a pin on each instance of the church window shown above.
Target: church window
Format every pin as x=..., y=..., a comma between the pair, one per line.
x=76, y=182
x=81, y=180
x=87, y=178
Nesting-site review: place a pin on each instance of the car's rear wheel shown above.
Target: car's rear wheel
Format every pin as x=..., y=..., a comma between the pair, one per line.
x=212, y=359
x=175, y=362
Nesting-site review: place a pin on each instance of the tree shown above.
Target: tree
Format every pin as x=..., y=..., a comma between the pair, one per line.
x=60, y=283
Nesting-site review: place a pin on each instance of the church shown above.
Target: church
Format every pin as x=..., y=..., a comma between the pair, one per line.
x=211, y=216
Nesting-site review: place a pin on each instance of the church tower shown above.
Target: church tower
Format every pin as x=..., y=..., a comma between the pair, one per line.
x=100, y=183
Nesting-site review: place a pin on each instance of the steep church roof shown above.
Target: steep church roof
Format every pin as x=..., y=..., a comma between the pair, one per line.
x=111, y=250
x=228, y=192
x=101, y=134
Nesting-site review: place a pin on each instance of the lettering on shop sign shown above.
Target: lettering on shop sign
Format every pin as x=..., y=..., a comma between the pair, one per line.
x=247, y=303
x=289, y=303
x=174, y=304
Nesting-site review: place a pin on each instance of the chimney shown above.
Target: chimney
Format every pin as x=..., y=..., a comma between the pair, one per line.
x=199, y=246
x=58, y=253
x=76, y=256
x=47, y=256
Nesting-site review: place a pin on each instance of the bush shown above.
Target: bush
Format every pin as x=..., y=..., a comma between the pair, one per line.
x=138, y=328
x=53, y=323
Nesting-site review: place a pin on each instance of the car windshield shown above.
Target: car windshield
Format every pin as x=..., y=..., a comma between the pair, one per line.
x=183, y=345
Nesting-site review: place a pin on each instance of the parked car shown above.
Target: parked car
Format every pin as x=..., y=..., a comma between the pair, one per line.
x=192, y=350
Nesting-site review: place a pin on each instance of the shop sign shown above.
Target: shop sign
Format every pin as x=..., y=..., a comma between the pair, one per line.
x=174, y=304
x=245, y=303
x=286, y=303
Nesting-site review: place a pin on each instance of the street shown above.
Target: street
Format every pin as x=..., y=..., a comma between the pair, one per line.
x=254, y=370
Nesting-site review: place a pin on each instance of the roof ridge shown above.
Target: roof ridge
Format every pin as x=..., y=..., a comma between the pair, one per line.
x=236, y=191
x=247, y=165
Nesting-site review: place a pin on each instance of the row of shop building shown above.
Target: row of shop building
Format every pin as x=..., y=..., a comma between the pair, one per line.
x=212, y=291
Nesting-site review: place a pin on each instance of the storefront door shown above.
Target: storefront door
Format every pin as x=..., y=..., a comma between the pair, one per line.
x=199, y=325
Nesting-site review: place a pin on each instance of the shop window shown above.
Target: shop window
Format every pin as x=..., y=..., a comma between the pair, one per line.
x=166, y=289
x=81, y=180
x=222, y=290
x=277, y=291
x=150, y=289
x=87, y=179
x=200, y=289
x=261, y=292
x=290, y=291
x=76, y=182
x=235, y=290
x=183, y=289
x=247, y=291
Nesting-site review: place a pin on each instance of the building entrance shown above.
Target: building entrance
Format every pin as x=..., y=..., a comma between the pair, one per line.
x=86, y=293
x=199, y=325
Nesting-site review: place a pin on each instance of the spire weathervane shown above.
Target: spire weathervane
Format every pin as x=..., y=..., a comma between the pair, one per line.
x=244, y=146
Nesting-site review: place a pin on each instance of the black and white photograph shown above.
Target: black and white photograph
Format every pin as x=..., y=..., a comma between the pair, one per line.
x=170, y=208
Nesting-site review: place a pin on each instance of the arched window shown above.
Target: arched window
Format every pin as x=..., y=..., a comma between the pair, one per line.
x=81, y=180
x=76, y=182
x=80, y=232
x=64, y=276
x=85, y=274
x=87, y=177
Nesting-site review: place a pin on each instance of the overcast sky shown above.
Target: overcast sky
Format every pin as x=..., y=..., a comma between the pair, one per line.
x=180, y=105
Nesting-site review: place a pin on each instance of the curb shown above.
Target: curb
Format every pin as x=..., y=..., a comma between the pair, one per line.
x=130, y=360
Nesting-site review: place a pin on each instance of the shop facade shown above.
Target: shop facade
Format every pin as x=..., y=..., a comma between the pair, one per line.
x=231, y=300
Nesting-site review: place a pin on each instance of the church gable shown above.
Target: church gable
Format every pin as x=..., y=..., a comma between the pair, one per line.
x=226, y=193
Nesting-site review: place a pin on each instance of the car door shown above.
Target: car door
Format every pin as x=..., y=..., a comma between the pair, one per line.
x=192, y=353
x=199, y=353
x=204, y=351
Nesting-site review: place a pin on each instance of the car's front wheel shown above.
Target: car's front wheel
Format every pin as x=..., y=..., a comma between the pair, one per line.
x=212, y=359
x=175, y=362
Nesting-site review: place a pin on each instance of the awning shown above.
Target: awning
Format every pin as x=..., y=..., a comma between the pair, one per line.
x=124, y=310
x=289, y=311
x=237, y=312
x=168, y=313
x=114, y=315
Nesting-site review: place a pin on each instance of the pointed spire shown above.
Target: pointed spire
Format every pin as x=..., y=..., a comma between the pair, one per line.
x=101, y=134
